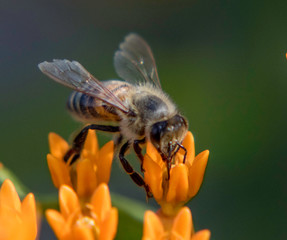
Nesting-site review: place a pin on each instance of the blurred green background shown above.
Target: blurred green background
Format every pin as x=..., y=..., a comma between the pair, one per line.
x=223, y=62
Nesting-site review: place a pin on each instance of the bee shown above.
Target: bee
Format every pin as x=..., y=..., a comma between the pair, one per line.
x=138, y=107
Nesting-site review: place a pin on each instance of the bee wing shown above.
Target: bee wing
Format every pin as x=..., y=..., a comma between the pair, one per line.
x=134, y=61
x=75, y=76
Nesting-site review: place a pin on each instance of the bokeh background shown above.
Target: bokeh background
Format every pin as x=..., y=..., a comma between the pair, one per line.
x=224, y=64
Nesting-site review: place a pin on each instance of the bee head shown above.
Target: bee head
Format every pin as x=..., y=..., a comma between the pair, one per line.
x=166, y=135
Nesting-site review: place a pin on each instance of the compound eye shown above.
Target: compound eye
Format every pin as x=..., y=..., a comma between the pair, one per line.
x=157, y=131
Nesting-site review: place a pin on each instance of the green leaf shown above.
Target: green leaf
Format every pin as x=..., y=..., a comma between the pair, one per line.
x=47, y=201
x=131, y=214
x=128, y=228
x=133, y=208
x=5, y=173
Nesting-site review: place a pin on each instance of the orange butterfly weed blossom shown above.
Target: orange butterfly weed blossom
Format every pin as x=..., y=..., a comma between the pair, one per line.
x=158, y=226
x=173, y=221
x=85, y=203
x=185, y=178
x=93, y=168
x=96, y=219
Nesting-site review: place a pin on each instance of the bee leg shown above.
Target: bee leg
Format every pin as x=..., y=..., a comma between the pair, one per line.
x=79, y=140
x=118, y=140
x=168, y=166
x=138, y=151
x=136, y=177
x=184, y=149
x=168, y=162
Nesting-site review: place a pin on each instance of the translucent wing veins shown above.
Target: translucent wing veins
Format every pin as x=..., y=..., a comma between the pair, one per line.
x=134, y=61
x=75, y=76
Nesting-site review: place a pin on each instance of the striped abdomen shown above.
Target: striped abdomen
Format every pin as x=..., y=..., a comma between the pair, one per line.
x=89, y=109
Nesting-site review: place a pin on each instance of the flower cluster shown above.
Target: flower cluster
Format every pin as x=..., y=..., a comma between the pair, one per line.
x=85, y=209
x=171, y=194
x=159, y=226
x=96, y=219
x=185, y=178
x=91, y=169
x=85, y=203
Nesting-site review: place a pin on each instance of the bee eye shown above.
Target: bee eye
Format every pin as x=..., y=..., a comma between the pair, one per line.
x=157, y=131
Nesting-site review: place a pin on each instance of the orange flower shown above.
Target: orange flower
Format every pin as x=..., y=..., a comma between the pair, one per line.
x=185, y=178
x=94, y=220
x=17, y=220
x=180, y=227
x=92, y=168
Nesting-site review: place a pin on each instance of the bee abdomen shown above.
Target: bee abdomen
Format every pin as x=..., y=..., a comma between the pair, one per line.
x=86, y=108
x=83, y=106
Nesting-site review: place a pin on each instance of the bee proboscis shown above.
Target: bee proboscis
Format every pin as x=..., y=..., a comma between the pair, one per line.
x=141, y=110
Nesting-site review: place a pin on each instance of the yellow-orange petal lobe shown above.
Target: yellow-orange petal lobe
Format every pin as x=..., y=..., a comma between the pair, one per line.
x=109, y=225
x=153, y=228
x=83, y=229
x=68, y=200
x=177, y=190
x=57, y=222
x=201, y=235
x=29, y=216
x=9, y=196
x=153, y=176
x=188, y=143
x=153, y=153
x=178, y=186
x=182, y=226
x=104, y=162
x=58, y=146
x=18, y=220
x=91, y=144
x=59, y=171
x=86, y=178
x=101, y=201
x=196, y=172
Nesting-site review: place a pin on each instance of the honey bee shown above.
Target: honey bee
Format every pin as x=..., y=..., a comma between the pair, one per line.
x=140, y=109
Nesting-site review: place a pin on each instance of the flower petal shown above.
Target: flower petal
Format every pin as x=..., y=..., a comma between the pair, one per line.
x=59, y=171
x=10, y=223
x=58, y=146
x=182, y=225
x=153, y=228
x=101, y=201
x=9, y=197
x=104, y=162
x=109, y=225
x=153, y=153
x=178, y=184
x=81, y=232
x=196, y=172
x=201, y=235
x=91, y=142
x=86, y=178
x=188, y=143
x=57, y=223
x=68, y=200
x=153, y=176
x=29, y=217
